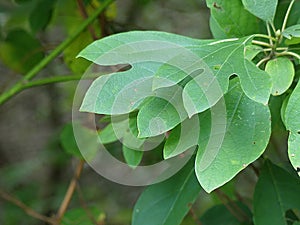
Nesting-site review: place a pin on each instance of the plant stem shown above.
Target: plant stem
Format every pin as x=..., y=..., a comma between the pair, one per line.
x=269, y=33
x=288, y=53
x=261, y=43
x=29, y=211
x=262, y=61
x=69, y=194
x=269, y=36
x=287, y=15
x=35, y=70
x=56, y=79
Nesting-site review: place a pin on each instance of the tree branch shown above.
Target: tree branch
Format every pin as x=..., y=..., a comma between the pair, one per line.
x=69, y=194
x=29, y=211
x=35, y=70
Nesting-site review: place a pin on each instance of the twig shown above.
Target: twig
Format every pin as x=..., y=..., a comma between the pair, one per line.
x=194, y=215
x=17, y=87
x=69, y=194
x=84, y=205
x=231, y=206
x=85, y=16
x=29, y=211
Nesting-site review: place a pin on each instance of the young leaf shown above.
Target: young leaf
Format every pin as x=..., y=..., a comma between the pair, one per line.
x=246, y=136
x=293, y=31
x=276, y=192
x=263, y=9
x=168, y=202
x=161, y=113
x=292, y=123
x=282, y=73
x=182, y=137
x=251, y=51
x=132, y=157
x=232, y=19
x=107, y=135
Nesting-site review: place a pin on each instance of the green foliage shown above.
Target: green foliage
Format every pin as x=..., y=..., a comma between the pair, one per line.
x=167, y=203
x=275, y=193
x=264, y=9
x=80, y=216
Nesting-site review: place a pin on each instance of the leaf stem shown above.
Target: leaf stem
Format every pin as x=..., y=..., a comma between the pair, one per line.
x=262, y=61
x=261, y=43
x=29, y=211
x=265, y=36
x=269, y=34
x=17, y=87
x=287, y=53
x=287, y=16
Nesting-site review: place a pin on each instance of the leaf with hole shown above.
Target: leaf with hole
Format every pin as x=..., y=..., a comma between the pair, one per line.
x=228, y=145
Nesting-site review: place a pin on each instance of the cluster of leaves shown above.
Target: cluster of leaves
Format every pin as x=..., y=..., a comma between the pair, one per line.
x=162, y=96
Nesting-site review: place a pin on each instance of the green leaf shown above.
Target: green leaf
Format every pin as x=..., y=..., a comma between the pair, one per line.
x=292, y=123
x=81, y=216
x=41, y=15
x=69, y=143
x=276, y=192
x=292, y=41
x=216, y=29
x=282, y=73
x=107, y=135
x=162, y=113
x=182, y=137
x=230, y=18
x=132, y=157
x=251, y=51
x=168, y=202
x=219, y=214
x=20, y=51
x=263, y=9
x=120, y=93
x=245, y=138
x=293, y=31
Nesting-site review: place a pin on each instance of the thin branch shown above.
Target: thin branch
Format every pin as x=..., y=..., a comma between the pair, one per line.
x=57, y=79
x=85, y=16
x=194, y=215
x=16, y=88
x=69, y=194
x=231, y=206
x=269, y=34
x=84, y=205
x=29, y=211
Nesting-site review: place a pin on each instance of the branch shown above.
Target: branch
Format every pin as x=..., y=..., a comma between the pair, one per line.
x=35, y=70
x=85, y=16
x=69, y=194
x=29, y=211
x=232, y=207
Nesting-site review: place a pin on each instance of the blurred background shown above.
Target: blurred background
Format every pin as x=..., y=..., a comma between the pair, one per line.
x=33, y=164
